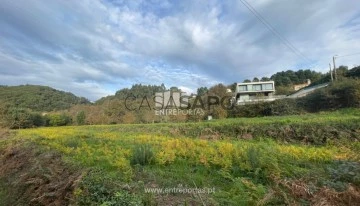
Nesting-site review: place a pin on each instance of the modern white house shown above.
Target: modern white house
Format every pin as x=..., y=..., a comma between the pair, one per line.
x=253, y=92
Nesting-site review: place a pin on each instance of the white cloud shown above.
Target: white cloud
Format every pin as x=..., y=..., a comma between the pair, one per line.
x=93, y=48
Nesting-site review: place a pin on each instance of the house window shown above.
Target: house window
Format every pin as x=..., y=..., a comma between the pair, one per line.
x=257, y=87
x=244, y=97
x=242, y=88
x=268, y=86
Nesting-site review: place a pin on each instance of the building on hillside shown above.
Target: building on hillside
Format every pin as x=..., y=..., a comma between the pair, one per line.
x=300, y=86
x=253, y=92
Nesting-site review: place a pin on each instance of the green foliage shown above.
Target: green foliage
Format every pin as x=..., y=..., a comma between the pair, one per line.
x=202, y=91
x=324, y=79
x=243, y=192
x=279, y=107
x=354, y=72
x=342, y=173
x=38, y=120
x=142, y=155
x=39, y=98
x=80, y=118
x=137, y=90
x=339, y=94
x=283, y=107
x=58, y=119
x=289, y=77
x=253, y=155
x=284, y=90
x=101, y=188
x=19, y=118
x=264, y=79
x=341, y=73
x=243, y=170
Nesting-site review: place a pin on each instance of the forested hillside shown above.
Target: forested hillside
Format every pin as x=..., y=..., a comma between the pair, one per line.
x=137, y=90
x=38, y=98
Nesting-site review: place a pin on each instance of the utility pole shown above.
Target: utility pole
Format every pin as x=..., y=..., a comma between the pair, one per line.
x=331, y=74
x=334, y=67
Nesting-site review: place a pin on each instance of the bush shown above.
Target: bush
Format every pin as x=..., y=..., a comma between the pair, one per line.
x=59, y=120
x=142, y=155
x=250, y=110
x=342, y=173
x=100, y=188
x=282, y=107
x=37, y=120
x=276, y=108
x=340, y=94
x=16, y=118
x=80, y=118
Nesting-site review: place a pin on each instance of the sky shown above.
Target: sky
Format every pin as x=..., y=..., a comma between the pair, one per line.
x=93, y=48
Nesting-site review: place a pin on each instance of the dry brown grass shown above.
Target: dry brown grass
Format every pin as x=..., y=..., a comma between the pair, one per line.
x=330, y=197
x=36, y=178
x=323, y=196
x=4, y=133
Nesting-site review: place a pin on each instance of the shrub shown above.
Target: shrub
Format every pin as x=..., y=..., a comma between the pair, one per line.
x=142, y=155
x=342, y=173
x=80, y=118
x=282, y=107
x=37, y=120
x=100, y=188
x=340, y=94
x=17, y=118
x=59, y=120
x=276, y=108
x=243, y=192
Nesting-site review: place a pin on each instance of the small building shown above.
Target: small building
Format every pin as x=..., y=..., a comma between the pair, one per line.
x=253, y=92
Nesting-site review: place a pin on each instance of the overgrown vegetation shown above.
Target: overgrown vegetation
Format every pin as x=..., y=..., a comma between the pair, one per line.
x=339, y=94
x=234, y=156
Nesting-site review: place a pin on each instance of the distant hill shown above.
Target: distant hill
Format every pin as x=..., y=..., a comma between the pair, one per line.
x=39, y=98
x=137, y=90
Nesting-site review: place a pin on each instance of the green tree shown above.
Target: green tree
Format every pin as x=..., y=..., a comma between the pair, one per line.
x=175, y=89
x=354, y=72
x=80, y=118
x=202, y=91
x=18, y=118
x=59, y=120
x=37, y=119
x=264, y=79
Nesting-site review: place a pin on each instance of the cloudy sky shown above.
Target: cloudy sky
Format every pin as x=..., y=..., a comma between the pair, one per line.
x=94, y=48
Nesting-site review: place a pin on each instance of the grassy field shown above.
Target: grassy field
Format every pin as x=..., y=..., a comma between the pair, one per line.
x=299, y=160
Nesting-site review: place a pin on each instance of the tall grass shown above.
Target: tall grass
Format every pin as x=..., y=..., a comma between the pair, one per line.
x=213, y=154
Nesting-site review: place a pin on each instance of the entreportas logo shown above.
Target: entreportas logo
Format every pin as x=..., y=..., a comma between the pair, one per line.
x=178, y=103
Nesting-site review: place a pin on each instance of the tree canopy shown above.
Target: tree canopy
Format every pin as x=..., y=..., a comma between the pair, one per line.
x=39, y=98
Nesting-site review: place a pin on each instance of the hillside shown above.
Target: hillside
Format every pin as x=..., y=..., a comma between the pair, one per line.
x=39, y=98
x=137, y=90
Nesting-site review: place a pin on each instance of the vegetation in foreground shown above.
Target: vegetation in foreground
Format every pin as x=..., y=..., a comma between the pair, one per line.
x=114, y=165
